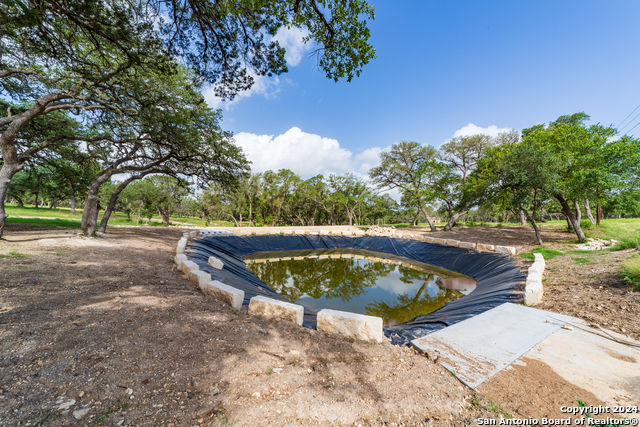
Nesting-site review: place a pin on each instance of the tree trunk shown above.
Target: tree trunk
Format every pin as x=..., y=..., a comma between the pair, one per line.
x=36, y=202
x=424, y=212
x=454, y=218
x=72, y=198
x=113, y=200
x=523, y=217
x=234, y=219
x=166, y=218
x=571, y=218
x=532, y=219
x=587, y=210
x=578, y=211
x=6, y=173
x=91, y=204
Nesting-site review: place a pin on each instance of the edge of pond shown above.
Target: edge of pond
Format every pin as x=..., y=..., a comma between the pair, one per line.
x=497, y=274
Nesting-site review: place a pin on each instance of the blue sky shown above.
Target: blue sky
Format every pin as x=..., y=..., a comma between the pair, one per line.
x=441, y=66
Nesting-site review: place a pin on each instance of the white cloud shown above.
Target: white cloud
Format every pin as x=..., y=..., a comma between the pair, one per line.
x=308, y=155
x=292, y=40
x=265, y=86
x=304, y=153
x=472, y=129
x=368, y=159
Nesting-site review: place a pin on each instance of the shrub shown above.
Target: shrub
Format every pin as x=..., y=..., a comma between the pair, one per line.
x=585, y=223
x=631, y=272
x=628, y=242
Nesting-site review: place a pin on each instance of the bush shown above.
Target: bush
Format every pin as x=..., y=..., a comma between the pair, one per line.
x=585, y=223
x=631, y=272
x=628, y=242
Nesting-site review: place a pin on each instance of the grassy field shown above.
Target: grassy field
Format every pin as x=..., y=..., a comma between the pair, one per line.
x=62, y=217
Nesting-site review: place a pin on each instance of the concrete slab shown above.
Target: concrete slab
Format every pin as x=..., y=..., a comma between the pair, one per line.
x=604, y=362
x=478, y=348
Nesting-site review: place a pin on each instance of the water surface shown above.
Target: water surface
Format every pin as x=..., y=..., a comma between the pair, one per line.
x=394, y=288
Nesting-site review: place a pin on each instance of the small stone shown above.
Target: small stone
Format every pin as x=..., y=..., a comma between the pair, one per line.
x=215, y=391
x=81, y=394
x=294, y=352
x=277, y=369
x=145, y=309
x=121, y=422
x=568, y=328
x=200, y=420
x=66, y=405
x=170, y=425
x=308, y=370
x=80, y=413
x=255, y=394
x=129, y=391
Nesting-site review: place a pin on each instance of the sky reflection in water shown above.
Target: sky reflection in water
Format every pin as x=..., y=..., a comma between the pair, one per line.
x=396, y=289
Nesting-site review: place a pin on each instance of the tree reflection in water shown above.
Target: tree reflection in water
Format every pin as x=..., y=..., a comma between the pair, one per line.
x=396, y=293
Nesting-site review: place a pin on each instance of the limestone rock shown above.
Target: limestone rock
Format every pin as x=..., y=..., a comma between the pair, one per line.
x=199, y=277
x=486, y=248
x=225, y=293
x=187, y=266
x=467, y=245
x=80, y=413
x=352, y=325
x=278, y=309
x=215, y=263
x=179, y=259
x=507, y=250
x=451, y=242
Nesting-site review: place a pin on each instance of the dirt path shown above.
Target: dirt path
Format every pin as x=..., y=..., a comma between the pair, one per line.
x=105, y=330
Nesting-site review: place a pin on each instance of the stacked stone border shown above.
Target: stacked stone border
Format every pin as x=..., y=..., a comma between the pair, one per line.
x=351, y=325
x=533, y=290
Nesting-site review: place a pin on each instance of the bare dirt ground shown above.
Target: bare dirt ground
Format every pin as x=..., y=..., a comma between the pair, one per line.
x=522, y=237
x=106, y=332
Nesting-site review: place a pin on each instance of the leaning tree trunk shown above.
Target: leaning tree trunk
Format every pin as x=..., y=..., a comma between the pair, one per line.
x=91, y=205
x=532, y=219
x=571, y=218
x=454, y=218
x=114, y=200
x=424, y=212
x=234, y=219
x=6, y=173
x=578, y=211
x=587, y=210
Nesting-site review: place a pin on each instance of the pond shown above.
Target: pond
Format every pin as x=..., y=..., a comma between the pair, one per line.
x=394, y=288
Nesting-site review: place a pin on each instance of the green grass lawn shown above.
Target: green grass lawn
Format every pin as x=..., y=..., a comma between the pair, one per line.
x=62, y=217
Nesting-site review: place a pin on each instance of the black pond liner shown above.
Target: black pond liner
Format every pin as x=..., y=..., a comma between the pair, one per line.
x=496, y=274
